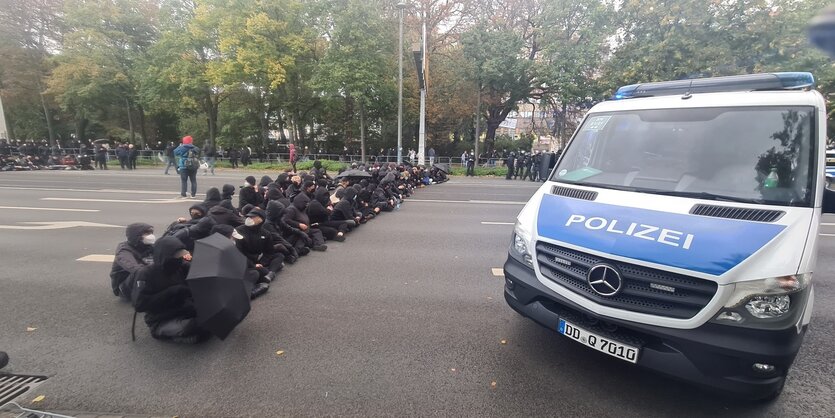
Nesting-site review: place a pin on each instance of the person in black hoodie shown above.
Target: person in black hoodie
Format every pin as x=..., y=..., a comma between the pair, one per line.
x=284, y=234
x=296, y=217
x=164, y=297
x=225, y=214
x=319, y=214
x=249, y=194
x=294, y=188
x=344, y=209
x=213, y=198
x=228, y=192
x=258, y=247
x=131, y=255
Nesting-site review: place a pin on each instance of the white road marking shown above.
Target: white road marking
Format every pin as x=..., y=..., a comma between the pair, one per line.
x=497, y=271
x=827, y=235
x=827, y=224
x=477, y=202
x=497, y=223
x=78, y=199
x=56, y=189
x=49, y=209
x=99, y=258
x=56, y=225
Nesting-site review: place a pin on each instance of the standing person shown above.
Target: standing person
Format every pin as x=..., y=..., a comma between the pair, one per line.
x=412, y=156
x=520, y=165
x=245, y=154
x=122, y=155
x=471, y=163
x=293, y=156
x=101, y=157
x=133, y=155
x=210, y=153
x=431, y=156
x=187, y=165
x=233, y=157
x=170, y=160
x=508, y=162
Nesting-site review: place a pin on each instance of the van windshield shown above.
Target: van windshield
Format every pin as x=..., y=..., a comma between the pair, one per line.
x=762, y=155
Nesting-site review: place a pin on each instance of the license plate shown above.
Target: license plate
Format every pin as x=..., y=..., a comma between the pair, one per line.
x=602, y=344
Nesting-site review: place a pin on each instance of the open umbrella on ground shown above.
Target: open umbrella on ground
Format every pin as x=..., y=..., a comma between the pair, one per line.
x=353, y=173
x=216, y=280
x=443, y=167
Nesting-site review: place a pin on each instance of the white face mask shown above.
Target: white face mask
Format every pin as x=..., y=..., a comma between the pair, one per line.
x=249, y=222
x=246, y=184
x=149, y=239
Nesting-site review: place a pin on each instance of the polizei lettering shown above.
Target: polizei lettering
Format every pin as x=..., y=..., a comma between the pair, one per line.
x=635, y=230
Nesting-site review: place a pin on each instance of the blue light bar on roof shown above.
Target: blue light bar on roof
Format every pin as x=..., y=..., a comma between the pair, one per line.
x=750, y=82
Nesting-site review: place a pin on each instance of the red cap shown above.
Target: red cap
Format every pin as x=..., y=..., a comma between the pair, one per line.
x=187, y=139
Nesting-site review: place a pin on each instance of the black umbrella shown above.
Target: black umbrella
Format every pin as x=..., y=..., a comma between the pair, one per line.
x=216, y=280
x=443, y=167
x=353, y=173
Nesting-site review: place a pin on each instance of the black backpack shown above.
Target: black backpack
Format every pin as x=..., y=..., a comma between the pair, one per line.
x=191, y=162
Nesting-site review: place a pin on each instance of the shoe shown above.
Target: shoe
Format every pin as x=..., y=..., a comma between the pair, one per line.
x=270, y=277
x=304, y=251
x=259, y=290
x=182, y=197
x=339, y=238
x=291, y=259
x=321, y=247
x=192, y=197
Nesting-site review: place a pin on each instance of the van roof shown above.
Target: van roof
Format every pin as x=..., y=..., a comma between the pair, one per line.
x=723, y=99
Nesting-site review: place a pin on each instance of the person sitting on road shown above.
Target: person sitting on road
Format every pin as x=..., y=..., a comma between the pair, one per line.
x=319, y=212
x=225, y=214
x=131, y=255
x=249, y=195
x=163, y=295
x=213, y=198
x=296, y=216
x=294, y=188
x=258, y=247
x=227, y=192
x=294, y=239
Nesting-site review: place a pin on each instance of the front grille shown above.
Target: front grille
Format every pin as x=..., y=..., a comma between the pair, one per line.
x=574, y=193
x=645, y=290
x=13, y=386
x=756, y=215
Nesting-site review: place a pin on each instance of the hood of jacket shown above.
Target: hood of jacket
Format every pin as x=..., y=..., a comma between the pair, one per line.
x=167, y=249
x=350, y=194
x=213, y=195
x=201, y=207
x=301, y=201
x=228, y=191
x=275, y=210
x=134, y=233
x=265, y=180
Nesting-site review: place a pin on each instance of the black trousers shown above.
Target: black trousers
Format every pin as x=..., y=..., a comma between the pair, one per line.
x=509, y=172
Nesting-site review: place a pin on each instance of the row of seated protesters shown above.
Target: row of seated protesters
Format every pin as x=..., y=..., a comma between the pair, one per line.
x=275, y=223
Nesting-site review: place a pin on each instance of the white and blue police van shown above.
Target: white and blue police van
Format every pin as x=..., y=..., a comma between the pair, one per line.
x=679, y=230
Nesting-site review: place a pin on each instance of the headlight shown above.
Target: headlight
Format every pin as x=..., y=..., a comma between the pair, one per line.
x=761, y=302
x=519, y=245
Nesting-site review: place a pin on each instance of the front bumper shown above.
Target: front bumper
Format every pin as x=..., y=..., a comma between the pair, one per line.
x=715, y=356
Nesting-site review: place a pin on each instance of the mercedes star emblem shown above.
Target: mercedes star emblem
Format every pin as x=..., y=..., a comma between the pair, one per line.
x=605, y=280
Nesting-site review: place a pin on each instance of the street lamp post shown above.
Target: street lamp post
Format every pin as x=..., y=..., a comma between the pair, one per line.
x=400, y=7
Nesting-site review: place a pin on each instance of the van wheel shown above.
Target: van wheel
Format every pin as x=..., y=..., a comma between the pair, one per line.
x=775, y=394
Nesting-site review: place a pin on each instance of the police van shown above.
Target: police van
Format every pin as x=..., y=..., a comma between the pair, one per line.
x=679, y=230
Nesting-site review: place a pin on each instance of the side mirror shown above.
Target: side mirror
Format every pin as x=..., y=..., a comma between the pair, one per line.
x=828, y=204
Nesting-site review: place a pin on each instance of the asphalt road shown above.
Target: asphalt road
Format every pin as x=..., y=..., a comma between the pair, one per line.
x=405, y=318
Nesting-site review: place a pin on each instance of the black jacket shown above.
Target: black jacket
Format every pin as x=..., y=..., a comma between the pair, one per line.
x=255, y=241
x=131, y=255
x=344, y=209
x=280, y=229
x=225, y=216
x=199, y=230
x=296, y=213
x=161, y=290
x=248, y=196
x=228, y=192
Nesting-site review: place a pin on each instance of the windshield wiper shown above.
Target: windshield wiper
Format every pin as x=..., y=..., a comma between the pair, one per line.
x=704, y=196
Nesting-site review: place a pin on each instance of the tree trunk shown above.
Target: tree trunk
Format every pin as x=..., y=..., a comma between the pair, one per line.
x=263, y=119
x=142, y=129
x=362, y=132
x=80, y=128
x=48, y=116
x=130, y=122
x=213, y=120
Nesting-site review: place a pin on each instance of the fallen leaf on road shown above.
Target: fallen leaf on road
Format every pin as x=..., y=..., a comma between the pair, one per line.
x=279, y=353
x=489, y=298
x=30, y=329
x=504, y=342
x=492, y=385
x=38, y=399
x=452, y=370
